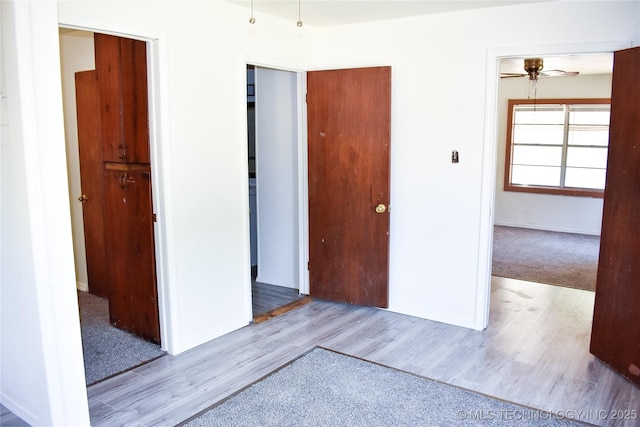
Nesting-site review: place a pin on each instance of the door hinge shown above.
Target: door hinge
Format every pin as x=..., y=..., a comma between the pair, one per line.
x=154, y=218
x=307, y=265
x=306, y=98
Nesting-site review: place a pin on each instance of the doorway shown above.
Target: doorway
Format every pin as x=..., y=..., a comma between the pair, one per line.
x=100, y=338
x=357, y=277
x=490, y=154
x=549, y=238
x=619, y=352
x=273, y=165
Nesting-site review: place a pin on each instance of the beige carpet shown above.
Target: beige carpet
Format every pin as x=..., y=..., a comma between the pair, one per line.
x=549, y=257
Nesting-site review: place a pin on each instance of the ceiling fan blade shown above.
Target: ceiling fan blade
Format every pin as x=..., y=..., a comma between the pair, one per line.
x=511, y=75
x=558, y=73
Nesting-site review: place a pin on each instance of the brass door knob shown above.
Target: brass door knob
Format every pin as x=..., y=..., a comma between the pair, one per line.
x=381, y=208
x=83, y=198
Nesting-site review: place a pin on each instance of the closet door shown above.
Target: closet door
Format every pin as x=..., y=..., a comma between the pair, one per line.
x=121, y=66
x=91, y=181
x=349, y=140
x=133, y=302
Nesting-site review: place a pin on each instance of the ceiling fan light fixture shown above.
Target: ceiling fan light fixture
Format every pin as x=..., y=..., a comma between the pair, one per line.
x=533, y=66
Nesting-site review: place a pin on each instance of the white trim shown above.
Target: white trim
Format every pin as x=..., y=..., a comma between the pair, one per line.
x=161, y=179
x=303, y=187
x=273, y=63
x=106, y=26
x=303, y=183
x=487, y=196
x=248, y=300
x=545, y=228
x=36, y=126
x=157, y=41
x=490, y=143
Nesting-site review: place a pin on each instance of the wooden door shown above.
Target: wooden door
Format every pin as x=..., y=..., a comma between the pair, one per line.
x=121, y=65
x=121, y=68
x=349, y=133
x=615, y=337
x=91, y=180
x=133, y=302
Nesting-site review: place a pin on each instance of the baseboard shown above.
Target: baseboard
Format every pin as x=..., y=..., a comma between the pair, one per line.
x=275, y=281
x=20, y=411
x=556, y=229
x=82, y=287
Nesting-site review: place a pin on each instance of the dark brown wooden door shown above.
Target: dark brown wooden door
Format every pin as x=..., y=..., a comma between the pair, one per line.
x=121, y=67
x=91, y=181
x=615, y=337
x=349, y=116
x=133, y=302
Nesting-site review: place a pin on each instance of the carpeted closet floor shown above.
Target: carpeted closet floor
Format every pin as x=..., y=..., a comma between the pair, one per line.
x=108, y=350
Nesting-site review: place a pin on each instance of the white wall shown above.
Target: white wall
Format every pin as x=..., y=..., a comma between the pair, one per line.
x=41, y=367
x=76, y=54
x=277, y=176
x=203, y=192
x=200, y=51
x=439, y=67
x=543, y=211
x=199, y=114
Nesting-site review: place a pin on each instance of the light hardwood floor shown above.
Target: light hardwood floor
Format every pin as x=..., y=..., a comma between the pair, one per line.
x=534, y=352
x=270, y=297
x=9, y=419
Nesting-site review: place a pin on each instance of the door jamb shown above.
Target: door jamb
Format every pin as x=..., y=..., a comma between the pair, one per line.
x=157, y=69
x=303, y=183
x=490, y=144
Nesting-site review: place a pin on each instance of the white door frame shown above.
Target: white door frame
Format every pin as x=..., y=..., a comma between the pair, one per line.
x=488, y=187
x=161, y=172
x=303, y=217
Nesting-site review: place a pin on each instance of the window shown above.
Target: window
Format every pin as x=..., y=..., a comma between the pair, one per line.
x=557, y=146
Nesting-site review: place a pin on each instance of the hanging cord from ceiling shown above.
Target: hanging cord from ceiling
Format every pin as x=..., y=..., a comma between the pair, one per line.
x=252, y=20
x=299, y=23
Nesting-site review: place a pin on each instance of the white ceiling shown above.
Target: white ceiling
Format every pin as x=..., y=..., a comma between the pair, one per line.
x=327, y=13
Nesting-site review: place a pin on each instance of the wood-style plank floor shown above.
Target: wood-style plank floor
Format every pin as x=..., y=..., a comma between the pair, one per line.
x=9, y=419
x=267, y=297
x=534, y=352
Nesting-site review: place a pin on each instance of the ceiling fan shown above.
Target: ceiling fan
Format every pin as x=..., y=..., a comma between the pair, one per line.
x=533, y=68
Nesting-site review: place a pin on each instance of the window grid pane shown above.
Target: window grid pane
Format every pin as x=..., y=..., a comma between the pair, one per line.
x=545, y=176
x=587, y=157
x=539, y=114
x=539, y=135
x=589, y=115
x=588, y=136
x=585, y=178
x=537, y=156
